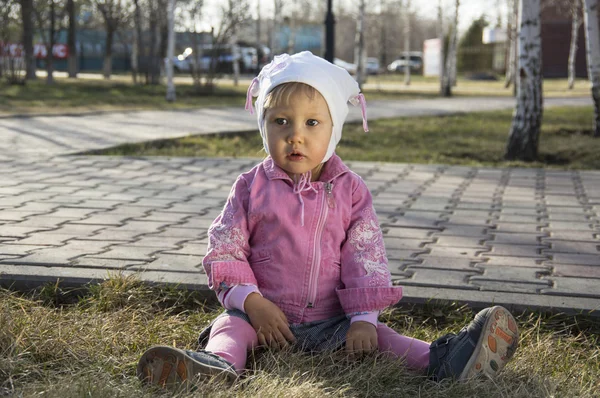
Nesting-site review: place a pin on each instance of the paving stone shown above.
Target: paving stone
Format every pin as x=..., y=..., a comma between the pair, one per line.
x=17, y=250
x=103, y=219
x=512, y=261
x=579, y=287
x=184, y=233
x=449, y=263
x=405, y=244
x=516, y=250
x=15, y=215
x=518, y=228
x=576, y=218
x=516, y=211
x=461, y=252
x=403, y=254
x=440, y=278
x=572, y=235
x=582, y=271
x=402, y=233
x=512, y=274
x=15, y=231
x=460, y=241
x=96, y=204
x=43, y=221
x=462, y=230
x=124, y=252
x=45, y=239
x=467, y=220
x=515, y=239
x=558, y=246
x=173, y=262
x=505, y=286
x=108, y=263
x=62, y=255
x=413, y=221
x=197, y=248
x=518, y=219
x=579, y=259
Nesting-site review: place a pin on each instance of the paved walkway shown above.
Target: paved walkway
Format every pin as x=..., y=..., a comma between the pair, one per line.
x=519, y=237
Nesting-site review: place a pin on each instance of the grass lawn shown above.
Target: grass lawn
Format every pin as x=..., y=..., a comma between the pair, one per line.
x=55, y=344
x=474, y=139
x=92, y=94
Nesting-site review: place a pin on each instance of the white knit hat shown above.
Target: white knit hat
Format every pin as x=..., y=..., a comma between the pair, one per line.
x=334, y=83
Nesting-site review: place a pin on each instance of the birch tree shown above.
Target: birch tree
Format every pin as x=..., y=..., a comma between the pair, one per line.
x=359, y=44
x=450, y=68
x=72, y=60
x=513, y=32
x=592, y=46
x=171, y=95
x=407, y=66
x=136, y=45
x=575, y=23
x=278, y=5
x=527, y=117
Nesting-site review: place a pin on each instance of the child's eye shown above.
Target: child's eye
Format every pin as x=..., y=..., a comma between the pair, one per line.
x=280, y=121
x=312, y=122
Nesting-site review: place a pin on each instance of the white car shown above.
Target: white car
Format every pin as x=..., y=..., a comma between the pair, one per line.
x=372, y=66
x=351, y=68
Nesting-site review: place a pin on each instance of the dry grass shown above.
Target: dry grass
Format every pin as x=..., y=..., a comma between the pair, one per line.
x=54, y=343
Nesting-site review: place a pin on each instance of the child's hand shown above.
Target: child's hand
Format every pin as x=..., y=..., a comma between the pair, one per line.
x=361, y=338
x=269, y=321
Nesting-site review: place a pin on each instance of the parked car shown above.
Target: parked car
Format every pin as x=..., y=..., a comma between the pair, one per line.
x=373, y=66
x=351, y=68
x=224, y=60
x=415, y=63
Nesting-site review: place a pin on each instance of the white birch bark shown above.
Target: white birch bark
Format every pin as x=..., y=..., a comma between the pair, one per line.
x=291, y=43
x=170, y=50
x=275, y=31
x=359, y=44
x=527, y=117
x=454, y=47
x=407, y=43
x=443, y=74
x=575, y=22
x=592, y=45
x=512, y=52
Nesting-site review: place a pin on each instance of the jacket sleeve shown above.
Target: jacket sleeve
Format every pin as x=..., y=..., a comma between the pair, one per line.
x=226, y=261
x=364, y=266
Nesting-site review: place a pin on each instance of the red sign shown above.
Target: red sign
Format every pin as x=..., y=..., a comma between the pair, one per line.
x=60, y=51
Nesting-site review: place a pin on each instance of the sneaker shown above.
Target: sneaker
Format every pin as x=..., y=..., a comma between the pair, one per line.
x=482, y=347
x=171, y=367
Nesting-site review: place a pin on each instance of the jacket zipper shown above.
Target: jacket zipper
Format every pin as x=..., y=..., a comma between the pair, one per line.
x=314, y=268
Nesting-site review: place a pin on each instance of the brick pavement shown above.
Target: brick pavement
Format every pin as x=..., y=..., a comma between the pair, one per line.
x=518, y=237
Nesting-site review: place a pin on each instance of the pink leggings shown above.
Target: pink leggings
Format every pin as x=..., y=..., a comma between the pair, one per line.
x=231, y=338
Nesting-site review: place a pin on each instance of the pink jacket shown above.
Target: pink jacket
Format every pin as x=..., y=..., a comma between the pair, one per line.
x=332, y=265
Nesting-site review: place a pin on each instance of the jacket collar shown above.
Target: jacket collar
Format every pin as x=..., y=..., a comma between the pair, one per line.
x=333, y=168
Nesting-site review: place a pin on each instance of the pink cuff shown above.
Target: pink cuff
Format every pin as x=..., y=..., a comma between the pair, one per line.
x=370, y=317
x=234, y=298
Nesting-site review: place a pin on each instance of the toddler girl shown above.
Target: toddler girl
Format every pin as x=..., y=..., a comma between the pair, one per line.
x=297, y=255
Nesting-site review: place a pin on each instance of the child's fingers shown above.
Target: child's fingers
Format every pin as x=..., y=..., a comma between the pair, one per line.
x=287, y=333
x=374, y=343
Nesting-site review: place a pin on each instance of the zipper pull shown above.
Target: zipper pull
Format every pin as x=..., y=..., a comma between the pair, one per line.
x=329, y=193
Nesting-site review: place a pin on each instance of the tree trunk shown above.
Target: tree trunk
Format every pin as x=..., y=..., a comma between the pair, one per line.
x=235, y=55
x=359, y=44
x=592, y=33
x=171, y=95
x=72, y=62
x=50, y=47
x=527, y=117
x=275, y=31
x=454, y=48
x=575, y=22
x=27, y=21
x=445, y=89
x=407, y=43
x=511, y=67
x=107, y=67
x=291, y=43
x=135, y=48
x=382, y=35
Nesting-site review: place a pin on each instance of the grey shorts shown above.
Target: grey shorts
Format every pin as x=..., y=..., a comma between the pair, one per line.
x=325, y=335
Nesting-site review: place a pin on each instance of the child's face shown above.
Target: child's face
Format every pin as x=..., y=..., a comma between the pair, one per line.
x=298, y=133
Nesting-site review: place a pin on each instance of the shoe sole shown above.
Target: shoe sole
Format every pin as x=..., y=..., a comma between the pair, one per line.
x=497, y=344
x=171, y=367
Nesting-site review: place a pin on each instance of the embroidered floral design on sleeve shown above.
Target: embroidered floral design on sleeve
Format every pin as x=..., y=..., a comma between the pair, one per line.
x=226, y=240
x=367, y=241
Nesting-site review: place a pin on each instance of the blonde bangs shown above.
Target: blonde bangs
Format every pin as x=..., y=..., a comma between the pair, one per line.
x=280, y=95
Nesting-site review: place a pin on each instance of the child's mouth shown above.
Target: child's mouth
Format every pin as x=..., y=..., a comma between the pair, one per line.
x=296, y=156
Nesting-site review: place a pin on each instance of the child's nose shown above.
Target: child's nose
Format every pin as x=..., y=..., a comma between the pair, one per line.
x=295, y=136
